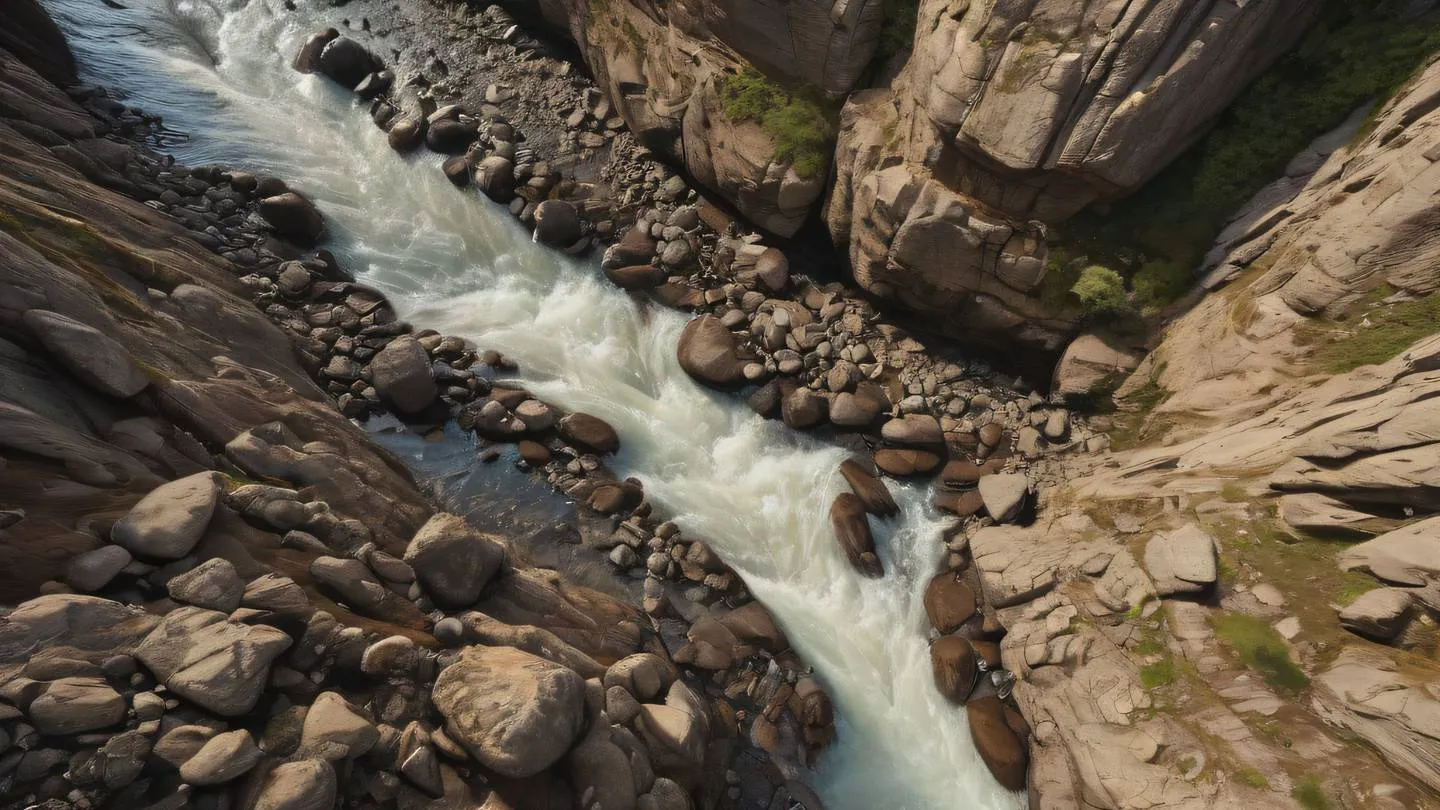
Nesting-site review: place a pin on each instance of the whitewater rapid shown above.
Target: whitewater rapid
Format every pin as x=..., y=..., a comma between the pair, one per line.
x=452, y=261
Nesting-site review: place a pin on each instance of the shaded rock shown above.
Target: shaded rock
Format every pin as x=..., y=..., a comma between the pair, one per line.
x=401, y=373
x=636, y=276
x=293, y=217
x=495, y=177
x=636, y=247
x=308, y=784
x=962, y=504
x=181, y=744
x=333, y=730
x=307, y=59
x=1381, y=614
x=223, y=757
x=598, y=765
x=948, y=602
x=616, y=498
x=1321, y=515
x=351, y=583
x=214, y=584
x=515, y=713
x=1092, y=364
x=868, y=487
x=854, y=410
x=1004, y=494
x=217, y=664
x=772, y=270
x=709, y=353
x=589, y=433
x=457, y=171
x=803, y=408
x=94, y=569
x=675, y=732
x=645, y=675
x=1409, y=555
x=95, y=358
x=347, y=62
x=997, y=743
x=406, y=134
x=168, y=522
x=852, y=531
x=76, y=705
x=557, y=224
x=449, y=137
x=953, y=663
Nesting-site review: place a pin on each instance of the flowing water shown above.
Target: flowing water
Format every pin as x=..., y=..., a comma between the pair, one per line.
x=457, y=263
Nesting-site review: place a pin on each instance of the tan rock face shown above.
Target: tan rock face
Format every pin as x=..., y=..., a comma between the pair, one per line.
x=1010, y=116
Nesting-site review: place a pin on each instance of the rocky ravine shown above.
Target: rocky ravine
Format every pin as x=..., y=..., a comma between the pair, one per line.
x=228, y=594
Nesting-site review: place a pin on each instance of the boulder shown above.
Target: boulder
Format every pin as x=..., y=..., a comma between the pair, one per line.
x=307, y=59
x=224, y=757
x=913, y=430
x=214, y=584
x=852, y=531
x=598, y=765
x=406, y=134
x=449, y=137
x=803, y=408
x=515, y=713
x=558, y=224
x=220, y=665
x=352, y=583
x=95, y=358
x=772, y=270
x=953, y=663
x=1004, y=495
x=636, y=276
x=169, y=521
x=1409, y=555
x=76, y=705
x=308, y=784
x=869, y=489
x=457, y=171
x=495, y=177
x=293, y=217
x=182, y=743
x=347, y=62
x=709, y=353
x=1092, y=364
x=998, y=744
x=856, y=410
x=334, y=730
x=647, y=676
x=949, y=602
x=589, y=433
x=901, y=462
x=1381, y=615
x=636, y=247
x=452, y=561
x=676, y=732
x=402, y=375
x=616, y=498
x=94, y=569
x=1182, y=561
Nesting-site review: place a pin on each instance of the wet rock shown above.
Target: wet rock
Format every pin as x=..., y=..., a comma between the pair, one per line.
x=214, y=584
x=515, y=713
x=913, y=430
x=168, y=522
x=76, y=705
x=374, y=84
x=997, y=742
x=636, y=247
x=1092, y=364
x=636, y=276
x=218, y=664
x=616, y=498
x=589, y=433
x=406, y=134
x=852, y=531
x=96, y=359
x=453, y=563
x=347, y=62
x=901, y=462
x=95, y=569
x=709, y=353
x=223, y=758
x=557, y=224
x=307, y=59
x=495, y=177
x=293, y=217
x=402, y=375
x=949, y=603
x=1004, y=494
x=953, y=665
x=802, y=408
x=1381, y=615
x=868, y=487
x=457, y=171
x=449, y=137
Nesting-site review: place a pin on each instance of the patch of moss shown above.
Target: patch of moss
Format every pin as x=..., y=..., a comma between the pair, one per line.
x=1250, y=777
x=1310, y=794
x=1392, y=329
x=1161, y=673
x=1354, y=585
x=797, y=122
x=1262, y=649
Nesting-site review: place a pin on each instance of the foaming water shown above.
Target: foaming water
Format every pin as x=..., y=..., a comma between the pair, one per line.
x=452, y=261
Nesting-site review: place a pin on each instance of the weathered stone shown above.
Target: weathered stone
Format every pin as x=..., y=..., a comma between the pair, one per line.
x=852, y=532
x=293, y=217
x=913, y=430
x=708, y=352
x=76, y=705
x=168, y=522
x=868, y=487
x=452, y=561
x=218, y=664
x=1004, y=494
x=401, y=374
x=1381, y=614
x=589, y=433
x=997, y=742
x=948, y=602
x=95, y=569
x=224, y=757
x=95, y=358
x=214, y=584
x=334, y=730
x=953, y=665
x=304, y=785
x=1182, y=561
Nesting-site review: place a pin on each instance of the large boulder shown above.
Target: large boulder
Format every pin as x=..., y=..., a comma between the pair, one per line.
x=852, y=531
x=1381, y=614
x=949, y=603
x=449, y=136
x=334, y=730
x=495, y=177
x=402, y=376
x=1409, y=555
x=676, y=732
x=953, y=663
x=406, y=134
x=93, y=357
x=1182, y=561
x=213, y=584
x=558, y=224
x=997, y=741
x=218, y=664
x=168, y=522
x=913, y=430
x=452, y=561
x=515, y=713
x=94, y=569
x=647, y=676
x=869, y=489
x=308, y=784
x=1004, y=494
x=76, y=705
x=590, y=433
x=1092, y=364
x=709, y=353
x=347, y=62
x=224, y=757
x=307, y=59
x=293, y=217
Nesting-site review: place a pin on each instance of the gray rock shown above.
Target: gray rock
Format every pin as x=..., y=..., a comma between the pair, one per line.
x=168, y=522
x=94, y=569
x=1004, y=494
x=214, y=584
x=1381, y=614
x=401, y=374
x=452, y=561
x=1182, y=561
x=352, y=583
x=93, y=357
x=223, y=757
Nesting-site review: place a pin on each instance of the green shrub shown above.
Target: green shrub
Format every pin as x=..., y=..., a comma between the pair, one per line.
x=1262, y=649
x=1101, y=292
x=1159, y=282
x=1252, y=778
x=1310, y=794
x=1392, y=330
x=797, y=122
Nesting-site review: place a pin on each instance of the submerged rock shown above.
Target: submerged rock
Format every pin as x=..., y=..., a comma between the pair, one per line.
x=347, y=62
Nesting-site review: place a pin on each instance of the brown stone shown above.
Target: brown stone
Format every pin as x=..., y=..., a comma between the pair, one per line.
x=997, y=742
x=869, y=488
x=953, y=664
x=963, y=504
x=902, y=463
x=852, y=530
x=948, y=602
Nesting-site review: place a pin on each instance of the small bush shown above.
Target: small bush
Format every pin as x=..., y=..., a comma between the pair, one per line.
x=1252, y=778
x=1310, y=794
x=796, y=121
x=1101, y=292
x=1262, y=649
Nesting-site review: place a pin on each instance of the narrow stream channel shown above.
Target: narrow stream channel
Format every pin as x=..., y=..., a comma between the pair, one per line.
x=459, y=264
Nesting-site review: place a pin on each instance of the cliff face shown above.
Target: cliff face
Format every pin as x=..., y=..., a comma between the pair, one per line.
x=1009, y=116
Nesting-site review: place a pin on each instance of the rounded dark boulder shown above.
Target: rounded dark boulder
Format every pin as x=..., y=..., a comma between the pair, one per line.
x=449, y=137
x=307, y=60
x=348, y=62
x=709, y=353
x=293, y=217
x=948, y=602
x=406, y=134
x=953, y=664
x=635, y=276
x=457, y=171
x=558, y=224
x=495, y=177
x=869, y=489
x=852, y=531
x=992, y=728
x=589, y=433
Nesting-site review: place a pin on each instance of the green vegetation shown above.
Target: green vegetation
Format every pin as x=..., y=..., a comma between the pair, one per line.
x=1392, y=330
x=1353, y=586
x=1161, y=673
x=897, y=31
x=1360, y=50
x=1101, y=292
x=798, y=123
x=1262, y=649
x=1310, y=794
x=1250, y=777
